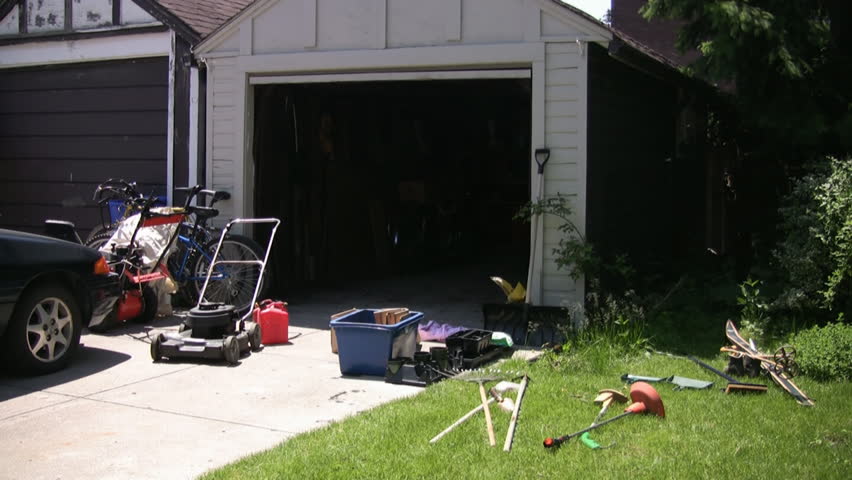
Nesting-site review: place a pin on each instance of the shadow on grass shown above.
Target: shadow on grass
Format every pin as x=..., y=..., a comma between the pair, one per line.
x=692, y=322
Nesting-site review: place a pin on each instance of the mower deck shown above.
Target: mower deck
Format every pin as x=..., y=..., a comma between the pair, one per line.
x=184, y=345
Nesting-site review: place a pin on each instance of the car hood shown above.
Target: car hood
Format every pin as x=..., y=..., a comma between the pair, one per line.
x=27, y=248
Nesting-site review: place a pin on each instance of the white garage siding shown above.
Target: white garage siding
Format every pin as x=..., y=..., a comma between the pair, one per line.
x=335, y=38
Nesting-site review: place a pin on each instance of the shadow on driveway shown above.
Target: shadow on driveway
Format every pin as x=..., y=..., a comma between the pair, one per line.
x=88, y=361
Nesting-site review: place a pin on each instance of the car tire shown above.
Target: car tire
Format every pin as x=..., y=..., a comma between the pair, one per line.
x=44, y=331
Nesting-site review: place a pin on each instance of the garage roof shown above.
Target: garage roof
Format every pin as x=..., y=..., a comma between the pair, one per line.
x=202, y=16
x=192, y=19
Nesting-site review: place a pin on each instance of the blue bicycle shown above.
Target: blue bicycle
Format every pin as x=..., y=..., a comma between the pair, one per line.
x=230, y=283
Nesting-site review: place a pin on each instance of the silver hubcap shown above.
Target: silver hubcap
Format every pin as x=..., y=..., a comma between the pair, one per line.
x=49, y=329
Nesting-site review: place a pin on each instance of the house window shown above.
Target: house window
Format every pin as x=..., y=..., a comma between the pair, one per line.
x=91, y=14
x=40, y=17
x=45, y=16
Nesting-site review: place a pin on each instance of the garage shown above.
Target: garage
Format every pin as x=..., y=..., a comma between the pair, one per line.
x=393, y=177
x=395, y=137
x=66, y=128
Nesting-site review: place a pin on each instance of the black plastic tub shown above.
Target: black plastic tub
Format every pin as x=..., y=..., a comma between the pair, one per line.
x=471, y=342
x=530, y=325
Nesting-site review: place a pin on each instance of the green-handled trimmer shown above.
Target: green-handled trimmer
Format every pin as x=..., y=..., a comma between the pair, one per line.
x=645, y=400
x=605, y=398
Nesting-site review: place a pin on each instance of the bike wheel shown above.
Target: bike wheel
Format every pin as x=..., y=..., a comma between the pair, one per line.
x=231, y=284
x=98, y=230
x=99, y=240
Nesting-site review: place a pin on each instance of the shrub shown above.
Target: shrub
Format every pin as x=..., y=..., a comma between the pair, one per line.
x=825, y=353
x=816, y=253
x=753, y=317
x=616, y=320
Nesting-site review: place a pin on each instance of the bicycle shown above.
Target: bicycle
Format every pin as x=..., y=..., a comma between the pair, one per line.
x=194, y=245
x=131, y=202
x=231, y=283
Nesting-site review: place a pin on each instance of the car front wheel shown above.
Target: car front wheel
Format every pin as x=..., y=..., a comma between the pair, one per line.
x=44, y=331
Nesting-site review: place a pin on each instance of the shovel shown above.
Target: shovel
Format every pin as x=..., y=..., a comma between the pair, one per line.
x=645, y=400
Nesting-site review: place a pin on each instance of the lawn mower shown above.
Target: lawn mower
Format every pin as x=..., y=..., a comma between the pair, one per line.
x=136, y=252
x=215, y=330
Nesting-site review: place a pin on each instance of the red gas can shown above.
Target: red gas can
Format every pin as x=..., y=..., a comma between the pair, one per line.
x=274, y=320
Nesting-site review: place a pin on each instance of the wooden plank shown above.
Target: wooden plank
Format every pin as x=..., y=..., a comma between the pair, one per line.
x=562, y=139
x=86, y=99
x=562, y=76
x=224, y=153
x=223, y=113
x=124, y=73
x=223, y=139
x=568, y=124
x=31, y=217
x=151, y=147
x=83, y=123
x=563, y=155
x=86, y=171
x=562, y=108
x=562, y=93
x=59, y=193
x=225, y=99
x=562, y=47
x=223, y=126
x=562, y=61
x=552, y=187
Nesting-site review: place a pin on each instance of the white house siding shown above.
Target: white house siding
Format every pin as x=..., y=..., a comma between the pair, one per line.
x=565, y=131
x=321, y=37
x=221, y=118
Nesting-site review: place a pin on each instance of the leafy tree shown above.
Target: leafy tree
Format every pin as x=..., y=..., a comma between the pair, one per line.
x=786, y=61
x=816, y=253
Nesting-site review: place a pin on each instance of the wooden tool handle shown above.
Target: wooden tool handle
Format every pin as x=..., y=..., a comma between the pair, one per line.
x=458, y=422
x=488, y=424
x=510, y=435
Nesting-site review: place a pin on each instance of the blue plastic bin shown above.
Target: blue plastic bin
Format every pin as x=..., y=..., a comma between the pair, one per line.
x=116, y=208
x=364, y=347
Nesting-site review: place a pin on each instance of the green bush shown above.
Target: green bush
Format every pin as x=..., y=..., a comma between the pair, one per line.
x=816, y=253
x=825, y=353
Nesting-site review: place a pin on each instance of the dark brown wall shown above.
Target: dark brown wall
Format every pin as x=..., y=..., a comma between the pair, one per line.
x=632, y=127
x=64, y=129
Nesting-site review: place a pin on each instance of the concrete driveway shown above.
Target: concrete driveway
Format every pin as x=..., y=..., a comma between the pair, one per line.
x=115, y=414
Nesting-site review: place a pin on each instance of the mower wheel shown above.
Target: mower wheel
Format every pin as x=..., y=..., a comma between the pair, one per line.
x=254, y=336
x=155, y=348
x=149, y=306
x=231, y=350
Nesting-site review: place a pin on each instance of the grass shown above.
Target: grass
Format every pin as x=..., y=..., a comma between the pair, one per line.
x=706, y=434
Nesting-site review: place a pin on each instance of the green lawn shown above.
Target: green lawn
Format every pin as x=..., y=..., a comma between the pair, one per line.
x=706, y=434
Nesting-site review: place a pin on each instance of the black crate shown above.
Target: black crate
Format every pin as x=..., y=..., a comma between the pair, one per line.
x=470, y=342
x=530, y=325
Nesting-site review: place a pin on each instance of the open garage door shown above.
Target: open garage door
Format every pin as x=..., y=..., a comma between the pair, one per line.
x=393, y=177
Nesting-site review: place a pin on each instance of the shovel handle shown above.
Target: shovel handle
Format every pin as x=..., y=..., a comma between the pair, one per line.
x=489, y=425
x=458, y=422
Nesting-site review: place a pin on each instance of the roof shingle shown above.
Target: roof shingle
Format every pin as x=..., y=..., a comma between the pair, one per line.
x=204, y=16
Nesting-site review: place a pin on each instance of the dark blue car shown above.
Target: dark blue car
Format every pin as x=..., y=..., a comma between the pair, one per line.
x=49, y=290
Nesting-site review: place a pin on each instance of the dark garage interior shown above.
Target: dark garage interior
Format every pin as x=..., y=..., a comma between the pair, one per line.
x=393, y=179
